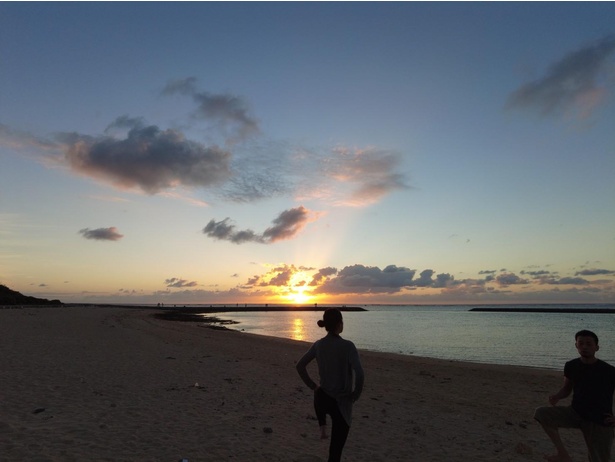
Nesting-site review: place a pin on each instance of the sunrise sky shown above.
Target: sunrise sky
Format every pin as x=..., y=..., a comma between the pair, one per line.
x=308, y=152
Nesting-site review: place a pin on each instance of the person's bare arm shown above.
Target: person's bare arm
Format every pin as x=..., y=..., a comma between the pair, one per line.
x=563, y=392
x=302, y=369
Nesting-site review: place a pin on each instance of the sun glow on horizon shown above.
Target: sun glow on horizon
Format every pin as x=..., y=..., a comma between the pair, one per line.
x=296, y=289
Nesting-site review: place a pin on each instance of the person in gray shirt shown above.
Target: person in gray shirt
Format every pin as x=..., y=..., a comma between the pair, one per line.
x=338, y=360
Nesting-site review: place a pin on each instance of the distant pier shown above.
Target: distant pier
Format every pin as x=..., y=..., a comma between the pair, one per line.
x=243, y=307
x=547, y=310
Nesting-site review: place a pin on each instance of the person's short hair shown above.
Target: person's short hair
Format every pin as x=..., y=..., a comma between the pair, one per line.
x=330, y=319
x=586, y=333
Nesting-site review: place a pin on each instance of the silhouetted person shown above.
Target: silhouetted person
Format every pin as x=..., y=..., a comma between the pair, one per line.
x=592, y=383
x=337, y=360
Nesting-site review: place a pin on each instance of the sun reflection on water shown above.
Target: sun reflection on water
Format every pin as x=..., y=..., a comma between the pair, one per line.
x=298, y=332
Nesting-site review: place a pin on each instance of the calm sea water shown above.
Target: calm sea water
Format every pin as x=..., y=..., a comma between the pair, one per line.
x=543, y=340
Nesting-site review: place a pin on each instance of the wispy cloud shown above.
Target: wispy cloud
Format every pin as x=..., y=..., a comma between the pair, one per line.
x=347, y=176
x=102, y=234
x=131, y=154
x=229, y=111
x=285, y=226
x=18, y=139
x=373, y=173
x=177, y=283
x=570, y=83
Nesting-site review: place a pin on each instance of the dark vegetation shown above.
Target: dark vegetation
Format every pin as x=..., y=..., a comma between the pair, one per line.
x=12, y=297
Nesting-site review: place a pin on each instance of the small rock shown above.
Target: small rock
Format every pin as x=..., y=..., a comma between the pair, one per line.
x=524, y=449
x=268, y=430
x=38, y=410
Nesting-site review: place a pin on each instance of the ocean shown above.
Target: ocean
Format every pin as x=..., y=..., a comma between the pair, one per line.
x=543, y=340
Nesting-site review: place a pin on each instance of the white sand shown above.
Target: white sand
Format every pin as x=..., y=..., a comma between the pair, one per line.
x=116, y=384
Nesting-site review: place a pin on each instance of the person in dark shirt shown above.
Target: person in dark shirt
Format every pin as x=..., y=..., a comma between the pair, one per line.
x=338, y=360
x=592, y=383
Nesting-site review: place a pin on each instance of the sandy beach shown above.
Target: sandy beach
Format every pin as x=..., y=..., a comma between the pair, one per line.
x=117, y=384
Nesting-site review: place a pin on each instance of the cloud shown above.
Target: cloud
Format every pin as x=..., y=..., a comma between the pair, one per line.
x=102, y=234
x=148, y=158
x=224, y=109
x=567, y=281
x=594, y=272
x=179, y=283
x=17, y=139
x=286, y=226
x=536, y=274
x=132, y=154
x=322, y=275
x=367, y=174
x=509, y=279
x=568, y=83
x=360, y=279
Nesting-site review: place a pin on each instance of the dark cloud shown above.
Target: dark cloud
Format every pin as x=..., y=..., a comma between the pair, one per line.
x=148, y=158
x=102, y=234
x=509, y=279
x=225, y=109
x=322, y=274
x=286, y=226
x=443, y=280
x=487, y=272
x=224, y=231
x=281, y=276
x=569, y=82
x=179, y=283
x=594, y=272
x=536, y=274
x=567, y=281
x=125, y=122
x=359, y=279
x=424, y=279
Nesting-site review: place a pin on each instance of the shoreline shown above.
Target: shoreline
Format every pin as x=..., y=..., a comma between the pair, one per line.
x=117, y=384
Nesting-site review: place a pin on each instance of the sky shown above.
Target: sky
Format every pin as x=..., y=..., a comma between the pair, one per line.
x=391, y=153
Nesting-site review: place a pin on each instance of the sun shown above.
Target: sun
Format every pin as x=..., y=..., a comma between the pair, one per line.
x=299, y=297
x=296, y=290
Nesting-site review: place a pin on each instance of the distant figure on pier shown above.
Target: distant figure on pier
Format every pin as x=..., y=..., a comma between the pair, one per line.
x=337, y=360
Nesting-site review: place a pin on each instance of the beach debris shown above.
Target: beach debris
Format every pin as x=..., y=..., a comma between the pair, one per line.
x=524, y=449
x=427, y=373
x=38, y=410
x=268, y=430
x=196, y=384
